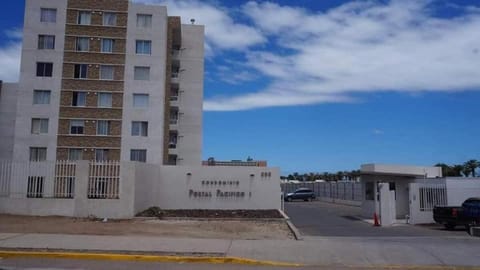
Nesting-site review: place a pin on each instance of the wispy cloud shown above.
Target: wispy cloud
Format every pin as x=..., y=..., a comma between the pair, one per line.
x=378, y=132
x=361, y=46
x=10, y=55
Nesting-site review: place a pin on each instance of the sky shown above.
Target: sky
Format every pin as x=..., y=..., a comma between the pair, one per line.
x=315, y=86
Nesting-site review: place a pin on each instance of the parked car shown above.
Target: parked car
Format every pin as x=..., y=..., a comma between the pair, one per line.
x=305, y=194
x=451, y=216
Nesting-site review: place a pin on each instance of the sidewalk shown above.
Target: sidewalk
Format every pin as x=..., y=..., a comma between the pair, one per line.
x=320, y=251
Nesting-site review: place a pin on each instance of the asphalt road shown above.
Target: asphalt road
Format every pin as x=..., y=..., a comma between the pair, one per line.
x=331, y=220
x=64, y=264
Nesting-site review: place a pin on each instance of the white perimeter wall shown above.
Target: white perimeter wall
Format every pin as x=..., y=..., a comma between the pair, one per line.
x=168, y=187
x=460, y=189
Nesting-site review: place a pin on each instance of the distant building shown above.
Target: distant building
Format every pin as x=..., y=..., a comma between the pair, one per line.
x=249, y=163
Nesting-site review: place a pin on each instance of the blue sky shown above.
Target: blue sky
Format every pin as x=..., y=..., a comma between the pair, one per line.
x=329, y=85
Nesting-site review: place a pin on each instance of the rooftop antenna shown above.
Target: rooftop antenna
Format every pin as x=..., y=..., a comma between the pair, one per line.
x=192, y=21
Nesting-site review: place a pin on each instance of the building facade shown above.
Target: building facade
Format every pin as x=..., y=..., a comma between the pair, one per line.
x=109, y=80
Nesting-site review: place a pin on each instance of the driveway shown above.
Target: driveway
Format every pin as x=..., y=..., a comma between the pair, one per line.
x=331, y=220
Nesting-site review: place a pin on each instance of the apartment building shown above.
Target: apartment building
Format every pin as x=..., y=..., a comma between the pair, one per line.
x=109, y=80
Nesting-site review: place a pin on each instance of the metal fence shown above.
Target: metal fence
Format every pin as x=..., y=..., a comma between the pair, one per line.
x=64, y=186
x=57, y=179
x=348, y=191
x=104, y=180
x=432, y=195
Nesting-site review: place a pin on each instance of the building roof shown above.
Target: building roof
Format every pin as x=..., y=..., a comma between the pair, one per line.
x=401, y=170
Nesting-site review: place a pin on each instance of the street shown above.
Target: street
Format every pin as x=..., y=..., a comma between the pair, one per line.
x=332, y=220
x=63, y=264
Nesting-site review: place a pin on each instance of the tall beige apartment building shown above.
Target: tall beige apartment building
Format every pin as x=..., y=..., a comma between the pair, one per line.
x=108, y=80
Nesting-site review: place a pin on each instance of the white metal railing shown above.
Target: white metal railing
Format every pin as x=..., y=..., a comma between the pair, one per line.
x=35, y=186
x=431, y=195
x=65, y=172
x=6, y=169
x=103, y=180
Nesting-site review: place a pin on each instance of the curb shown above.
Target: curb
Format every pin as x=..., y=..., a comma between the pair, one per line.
x=296, y=233
x=142, y=258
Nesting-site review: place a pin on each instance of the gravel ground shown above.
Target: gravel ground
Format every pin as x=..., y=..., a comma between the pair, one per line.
x=221, y=229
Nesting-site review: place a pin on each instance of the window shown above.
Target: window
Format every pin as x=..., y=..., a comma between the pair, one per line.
x=101, y=154
x=139, y=155
x=41, y=96
x=84, y=17
x=370, y=191
x=106, y=72
x=142, y=73
x=82, y=44
x=107, y=45
x=109, y=19
x=80, y=71
x=48, y=15
x=39, y=125
x=44, y=69
x=77, y=126
x=144, y=20
x=75, y=154
x=79, y=99
x=139, y=128
x=103, y=127
x=104, y=100
x=144, y=47
x=35, y=186
x=38, y=153
x=140, y=100
x=46, y=42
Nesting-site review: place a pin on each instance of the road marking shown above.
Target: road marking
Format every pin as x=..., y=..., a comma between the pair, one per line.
x=143, y=258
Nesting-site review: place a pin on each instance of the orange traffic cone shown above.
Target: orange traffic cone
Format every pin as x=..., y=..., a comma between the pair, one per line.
x=375, y=220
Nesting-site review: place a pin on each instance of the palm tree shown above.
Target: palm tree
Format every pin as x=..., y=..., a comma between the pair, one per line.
x=457, y=170
x=471, y=166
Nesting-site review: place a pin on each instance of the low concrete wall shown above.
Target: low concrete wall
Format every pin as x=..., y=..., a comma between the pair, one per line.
x=339, y=201
x=190, y=187
x=142, y=186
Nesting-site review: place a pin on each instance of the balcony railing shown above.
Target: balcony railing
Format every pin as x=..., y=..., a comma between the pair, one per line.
x=173, y=121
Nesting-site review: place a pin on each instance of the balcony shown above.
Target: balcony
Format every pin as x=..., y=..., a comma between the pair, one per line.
x=175, y=77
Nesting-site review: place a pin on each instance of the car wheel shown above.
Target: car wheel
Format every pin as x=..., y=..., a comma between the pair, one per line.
x=289, y=199
x=309, y=199
x=450, y=226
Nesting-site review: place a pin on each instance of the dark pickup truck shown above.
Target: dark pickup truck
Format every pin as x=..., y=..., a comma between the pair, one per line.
x=466, y=215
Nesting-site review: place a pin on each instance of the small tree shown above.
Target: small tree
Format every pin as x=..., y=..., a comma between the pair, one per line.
x=471, y=166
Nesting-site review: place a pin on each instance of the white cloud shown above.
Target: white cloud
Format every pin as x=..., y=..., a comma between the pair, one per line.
x=361, y=46
x=221, y=31
x=378, y=132
x=10, y=56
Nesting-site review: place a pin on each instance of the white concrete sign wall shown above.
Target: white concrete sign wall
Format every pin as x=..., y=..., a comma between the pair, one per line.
x=185, y=187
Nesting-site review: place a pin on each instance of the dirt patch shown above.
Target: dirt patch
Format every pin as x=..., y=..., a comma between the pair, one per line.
x=224, y=229
x=237, y=214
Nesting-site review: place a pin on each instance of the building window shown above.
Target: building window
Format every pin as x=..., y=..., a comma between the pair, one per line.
x=106, y=72
x=77, y=127
x=84, y=17
x=144, y=47
x=82, y=44
x=142, y=73
x=172, y=140
x=101, y=154
x=103, y=127
x=38, y=153
x=144, y=20
x=75, y=154
x=107, y=45
x=41, y=96
x=109, y=19
x=48, y=15
x=139, y=128
x=44, y=69
x=39, y=125
x=79, y=99
x=140, y=100
x=80, y=71
x=139, y=155
x=104, y=100
x=46, y=42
